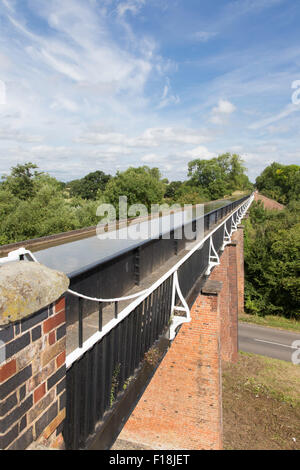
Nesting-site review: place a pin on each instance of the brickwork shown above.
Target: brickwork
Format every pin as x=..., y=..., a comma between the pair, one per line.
x=232, y=338
x=182, y=407
x=238, y=237
x=268, y=203
x=231, y=273
x=220, y=273
x=32, y=379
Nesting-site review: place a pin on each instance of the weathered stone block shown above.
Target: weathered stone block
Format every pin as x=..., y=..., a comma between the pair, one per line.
x=26, y=288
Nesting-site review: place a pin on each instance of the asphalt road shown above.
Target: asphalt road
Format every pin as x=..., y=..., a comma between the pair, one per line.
x=268, y=341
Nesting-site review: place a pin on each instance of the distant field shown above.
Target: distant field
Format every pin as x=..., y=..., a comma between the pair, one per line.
x=261, y=404
x=273, y=321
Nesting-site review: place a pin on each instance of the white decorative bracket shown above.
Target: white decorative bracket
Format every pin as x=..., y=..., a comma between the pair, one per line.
x=178, y=320
x=227, y=238
x=234, y=226
x=240, y=215
x=214, y=259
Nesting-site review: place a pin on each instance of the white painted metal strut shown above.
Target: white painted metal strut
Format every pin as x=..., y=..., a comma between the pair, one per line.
x=227, y=238
x=214, y=259
x=178, y=320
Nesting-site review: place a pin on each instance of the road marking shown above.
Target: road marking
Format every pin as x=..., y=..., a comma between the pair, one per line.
x=277, y=344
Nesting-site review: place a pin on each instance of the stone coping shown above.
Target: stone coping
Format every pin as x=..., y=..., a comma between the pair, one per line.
x=26, y=288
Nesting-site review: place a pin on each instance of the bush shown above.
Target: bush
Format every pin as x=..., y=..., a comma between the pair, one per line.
x=272, y=261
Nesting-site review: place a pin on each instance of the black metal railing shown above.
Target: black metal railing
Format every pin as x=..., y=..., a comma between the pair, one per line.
x=96, y=379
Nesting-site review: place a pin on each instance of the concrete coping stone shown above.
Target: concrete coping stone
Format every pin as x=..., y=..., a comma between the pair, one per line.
x=26, y=288
x=212, y=287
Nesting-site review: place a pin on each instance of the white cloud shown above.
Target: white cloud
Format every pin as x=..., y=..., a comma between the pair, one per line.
x=224, y=107
x=132, y=6
x=287, y=111
x=89, y=88
x=167, y=97
x=219, y=113
x=152, y=137
x=152, y=158
x=200, y=152
x=66, y=104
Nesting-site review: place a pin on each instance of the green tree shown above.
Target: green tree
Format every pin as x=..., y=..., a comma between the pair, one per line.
x=280, y=182
x=88, y=187
x=219, y=176
x=172, y=188
x=272, y=261
x=21, y=182
x=141, y=185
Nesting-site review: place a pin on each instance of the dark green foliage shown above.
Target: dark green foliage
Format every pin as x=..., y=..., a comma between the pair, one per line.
x=21, y=181
x=172, y=189
x=280, y=182
x=219, y=176
x=33, y=204
x=141, y=185
x=272, y=261
x=88, y=187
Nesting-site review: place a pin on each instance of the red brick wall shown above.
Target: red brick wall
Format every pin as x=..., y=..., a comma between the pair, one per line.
x=221, y=273
x=238, y=237
x=32, y=379
x=230, y=273
x=182, y=407
x=268, y=203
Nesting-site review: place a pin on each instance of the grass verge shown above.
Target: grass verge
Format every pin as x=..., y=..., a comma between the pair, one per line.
x=273, y=321
x=261, y=404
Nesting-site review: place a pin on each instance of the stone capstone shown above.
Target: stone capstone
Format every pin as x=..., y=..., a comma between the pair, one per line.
x=26, y=288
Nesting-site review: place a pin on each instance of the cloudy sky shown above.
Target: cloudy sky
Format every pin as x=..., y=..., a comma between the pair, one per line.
x=105, y=84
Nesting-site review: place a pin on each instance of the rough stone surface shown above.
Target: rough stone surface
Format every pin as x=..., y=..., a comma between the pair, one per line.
x=26, y=288
x=212, y=287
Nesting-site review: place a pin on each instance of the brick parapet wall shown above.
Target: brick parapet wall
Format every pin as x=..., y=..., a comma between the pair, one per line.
x=268, y=203
x=221, y=273
x=32, y=379
x=231, y=273
x=239, y=238
x=182, y=407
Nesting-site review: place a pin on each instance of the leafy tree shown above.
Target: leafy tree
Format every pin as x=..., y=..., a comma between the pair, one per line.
x=141, y=185
x=172, y=188
x=272, y=254
x=280, y=182
x=219, y=176
x=21, y=182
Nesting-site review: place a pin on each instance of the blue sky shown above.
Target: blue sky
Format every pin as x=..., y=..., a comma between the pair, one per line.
x=105, y=84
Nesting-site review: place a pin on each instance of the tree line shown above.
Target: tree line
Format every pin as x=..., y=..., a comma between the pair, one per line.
x=34, y=204
x=272, y=246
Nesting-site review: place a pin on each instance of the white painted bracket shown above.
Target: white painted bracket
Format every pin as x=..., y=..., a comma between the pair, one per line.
x=234, y=226
x=178, y=319
x=17, y=255
x=214, y=259
x=240, y=215
x=227, y=238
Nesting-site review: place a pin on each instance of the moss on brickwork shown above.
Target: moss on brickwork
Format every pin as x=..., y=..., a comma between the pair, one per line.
x=26, y=288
